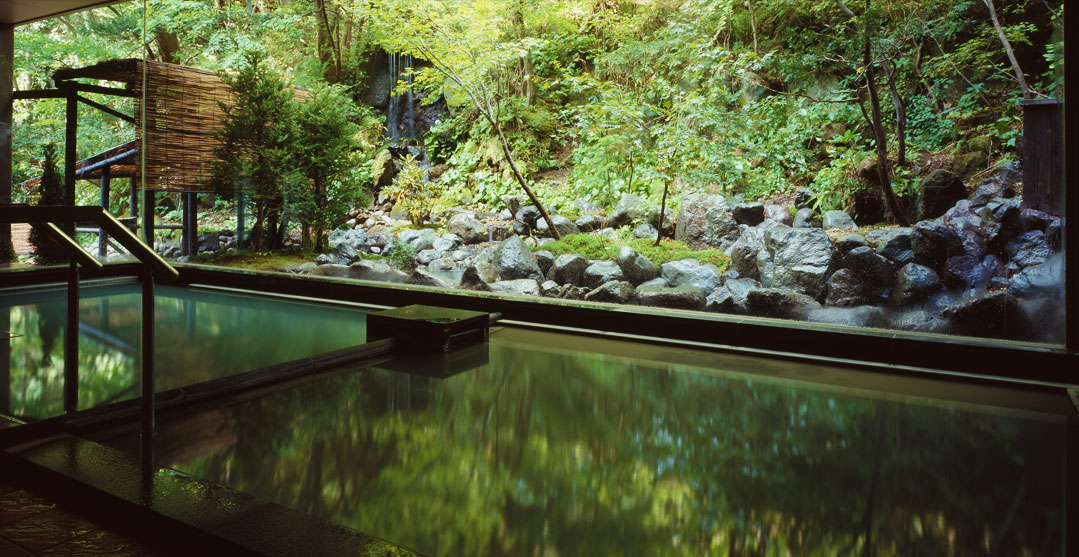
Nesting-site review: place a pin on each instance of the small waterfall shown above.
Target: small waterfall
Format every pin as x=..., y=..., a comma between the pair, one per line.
x=400, y=66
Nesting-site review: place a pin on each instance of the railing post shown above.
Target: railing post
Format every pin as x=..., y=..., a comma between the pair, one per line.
x=102, y=236
x=147, y=365
x=148, y=217
x=71, y=340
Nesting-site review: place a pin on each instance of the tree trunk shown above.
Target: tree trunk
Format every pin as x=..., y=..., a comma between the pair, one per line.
x=900, y=113
x=167, y=46
x=878, y=128
x=662, y=213
x=753, y=25
x=521, y=179
x=1008, y=48
x=524, y=62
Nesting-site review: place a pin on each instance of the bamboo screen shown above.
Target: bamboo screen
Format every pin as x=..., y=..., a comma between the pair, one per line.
x=182, y=115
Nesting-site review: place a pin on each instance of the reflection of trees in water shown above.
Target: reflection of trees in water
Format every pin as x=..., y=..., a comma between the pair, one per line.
x=540, y=452
x=51, y=317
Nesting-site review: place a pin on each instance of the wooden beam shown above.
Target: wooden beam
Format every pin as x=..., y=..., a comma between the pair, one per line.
x=39, y=94
x=106, y=109
x=114, y=91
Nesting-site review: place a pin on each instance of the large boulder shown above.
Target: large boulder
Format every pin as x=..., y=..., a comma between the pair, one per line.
x=589, y=223
x=1003, y=222
x=992, y=314
x=933, y=243
x=378, y=271
x=563, y=225
x=796, y=258
x=1044, y=281
x=690, y=272
x=837, y=219
x=1029, y=249
x=860, y=316
x=744, y=258
x=331, y=270
x=514, y=260
x=472, y=280
x=467, y=227
x=780, y=303
x=631, y=209
x=568, y=268
x=636, y=267
x=602, y=272
x=914, y=283
x=356, y=237
x=849, y=242
x=524, y=220
x=421, y=239
x=966, y=221
x=869, y=266
x=516, y=287
x=705, y=221
x=677, y=297
x=892, y=243
x=731, y=297
x=968, y=271
x=345, y=253
x=613, y=292
x=807, y=218
x=423, y=278
x=804, y=197
x=939, y=192
x=778, y=214
x=748, y=213
x=545, y=260
x=845, y=290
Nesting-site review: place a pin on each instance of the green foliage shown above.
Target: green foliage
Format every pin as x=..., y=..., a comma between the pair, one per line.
x=592, y=246
x=326, y=157
x=402, y=256
x=413, y=191
x=256, y=156
x=52, y=193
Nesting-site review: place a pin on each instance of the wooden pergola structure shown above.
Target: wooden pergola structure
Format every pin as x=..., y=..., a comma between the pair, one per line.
x=177, y=111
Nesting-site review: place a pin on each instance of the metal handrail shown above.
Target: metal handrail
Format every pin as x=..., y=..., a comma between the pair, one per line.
x=44, y=218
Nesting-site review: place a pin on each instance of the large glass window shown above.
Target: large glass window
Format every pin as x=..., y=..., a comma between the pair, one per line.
x=893, y=165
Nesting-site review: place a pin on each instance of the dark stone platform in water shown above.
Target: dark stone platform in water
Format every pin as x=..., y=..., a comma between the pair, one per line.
x=429, y=328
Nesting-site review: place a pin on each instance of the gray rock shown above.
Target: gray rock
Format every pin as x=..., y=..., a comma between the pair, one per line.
x=442, y=264
x=804, y=197
x=428, y=255
x=892, y=243
x=807, y=218
x=517, y=287
x=422, y=278
x=420, y=240
x=919, y=321
x=524, y=220
x=209, y=241
x=354, y=236
x=914, y=283
x=938, y=193
x=467, y=227
x=690, y=272
x=607, y=232
x=460, y=255
x=589, y=223
x=796, y=258
x=568, y=268
x=571, y=292
x=636, y=267
x=968, y=271
x=860, y=316
x=345, y=253
x=448, y=242
x=645, y=231
x=744, y=257
x=1045, y=280
x=563, y=225
x=748, y=213
x=470, y=280
x=326, y=259
x=779, y=214
x=601, y=272
x=613, y=292
x=486, y=271
x=849, y=242
x=550, y=289
x=705, y=221
x=731, y=297
x=870, y=267
x=630, y=210
x=837, y=219
x=658, y=281
x=967, y=224
x=331, y=270
x=992, y=314
x=514, y=260
x=513, y=203
x=378, y=271
x=845, y=289
x=1029, y=249
x=780, y=303
x=678, y=297
x=545, y=260
x=933, y=243
x=1002, y=223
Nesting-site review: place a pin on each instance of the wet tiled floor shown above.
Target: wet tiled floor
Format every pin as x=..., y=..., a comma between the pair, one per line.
x=33, y=525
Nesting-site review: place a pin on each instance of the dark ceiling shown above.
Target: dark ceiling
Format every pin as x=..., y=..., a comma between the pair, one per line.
x=25, y=11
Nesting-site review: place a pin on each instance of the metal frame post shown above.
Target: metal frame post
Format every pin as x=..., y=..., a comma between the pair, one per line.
x=71, y=340
x=102, y=236
x=147, y=379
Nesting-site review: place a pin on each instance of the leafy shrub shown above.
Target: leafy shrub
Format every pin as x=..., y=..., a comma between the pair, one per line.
x=412, y=190
x=402, y=256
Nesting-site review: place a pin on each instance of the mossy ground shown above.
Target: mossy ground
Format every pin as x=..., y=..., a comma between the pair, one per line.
x=603, y=247
x=259, y=261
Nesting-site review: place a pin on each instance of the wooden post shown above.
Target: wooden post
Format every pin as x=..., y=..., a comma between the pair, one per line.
x=7, y=81
x=134, y=193
x=148, y=217
x=71, y=340
x=191, y=225
x=71, y=152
